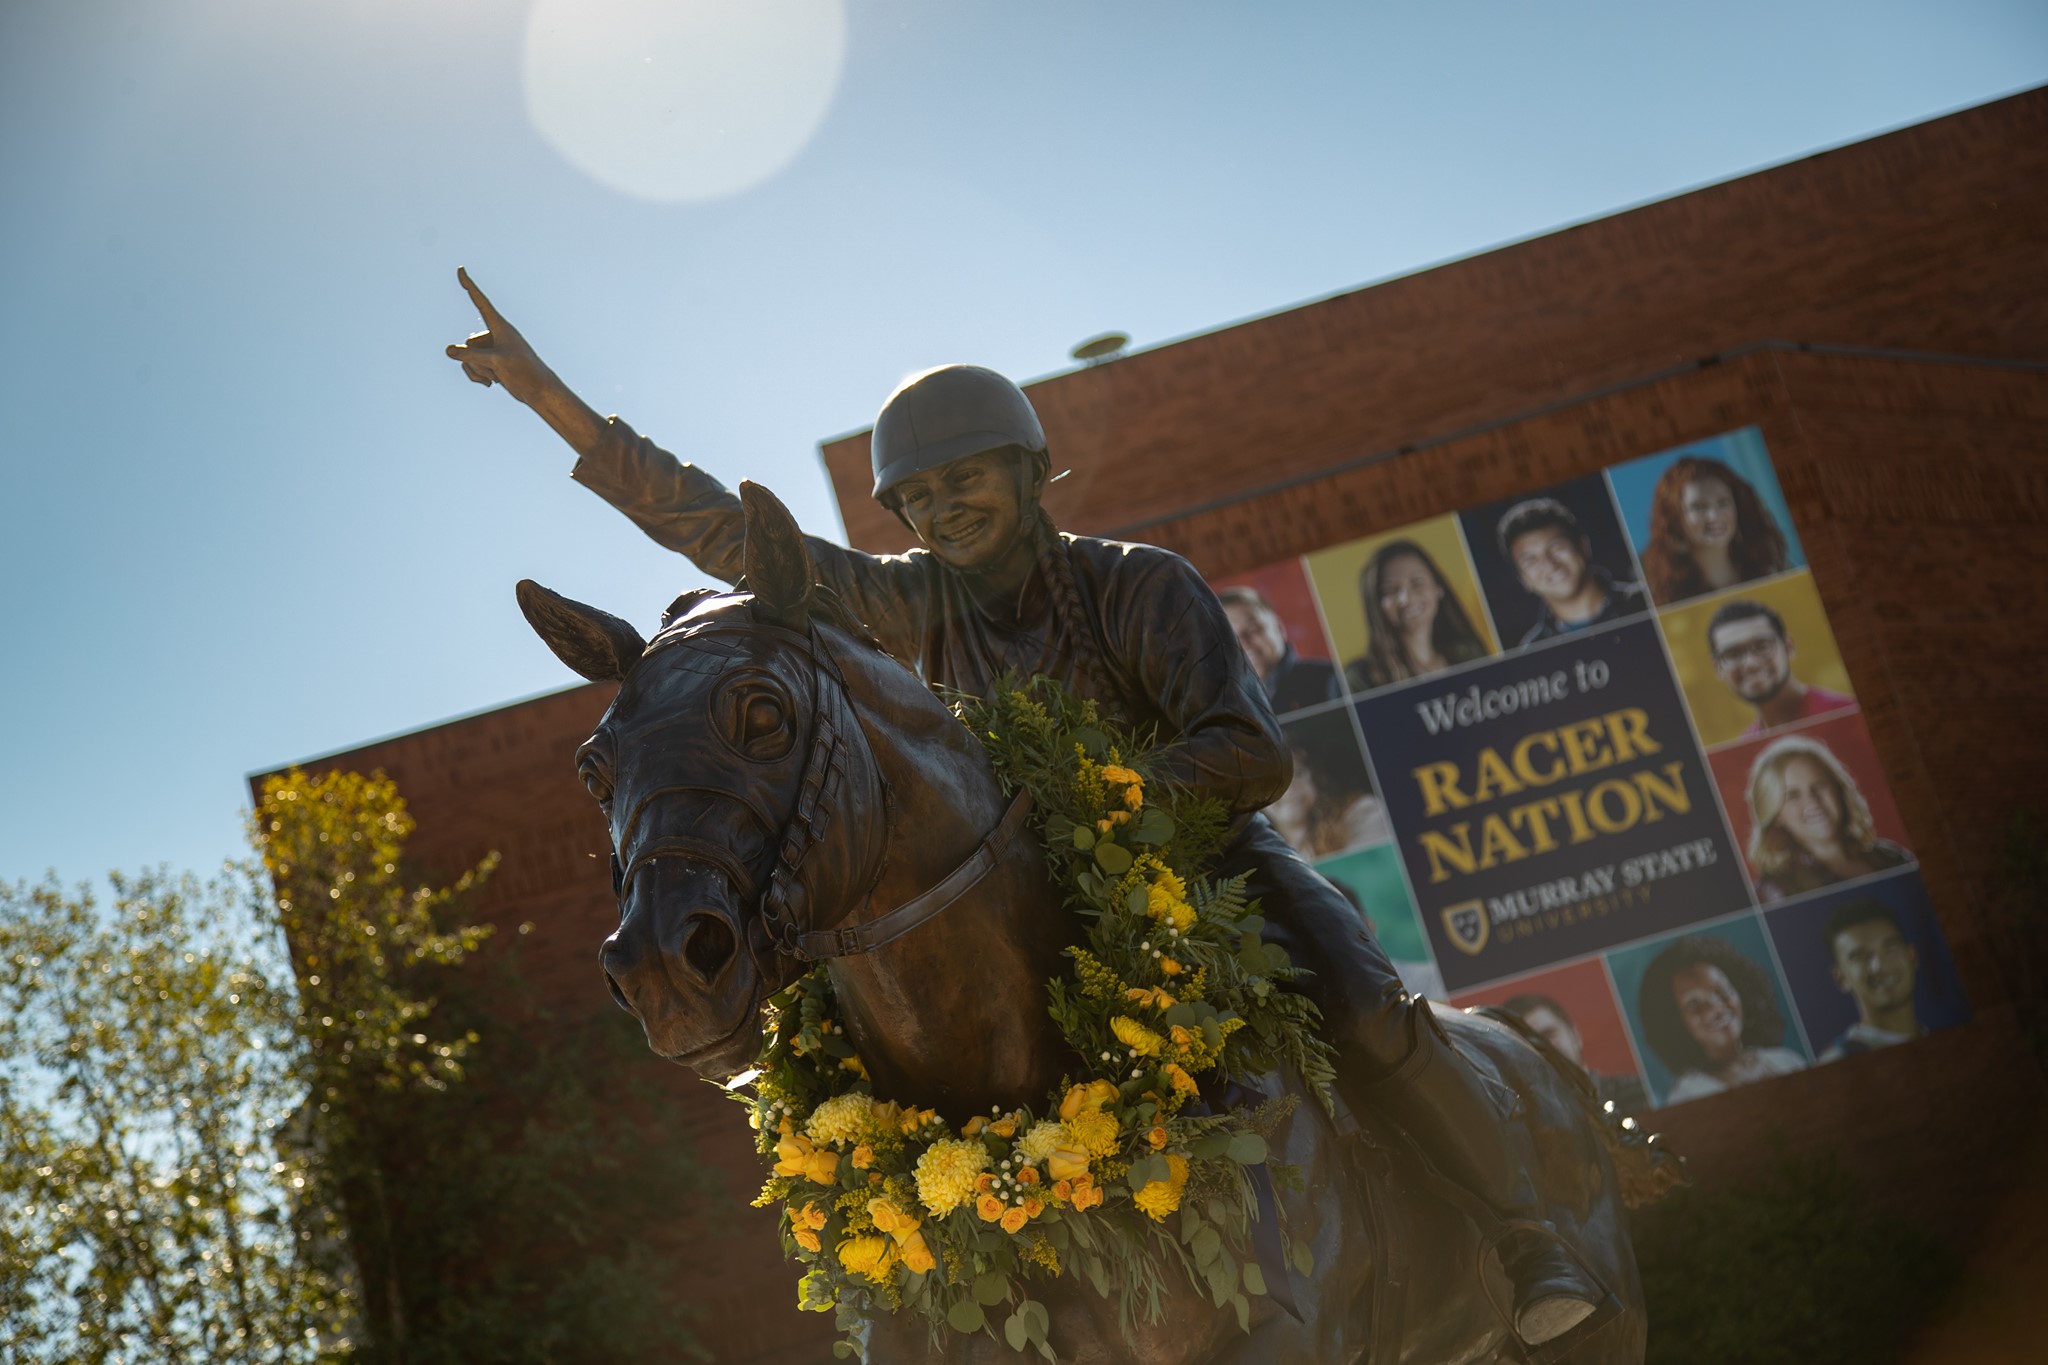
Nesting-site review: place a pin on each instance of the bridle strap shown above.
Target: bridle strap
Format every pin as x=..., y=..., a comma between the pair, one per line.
x=817, y=944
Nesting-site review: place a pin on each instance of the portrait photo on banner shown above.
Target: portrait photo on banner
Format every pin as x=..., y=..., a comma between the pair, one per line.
x=1868, y=965
x=1707, y=516
x=1330, y=807
x=1809, y=807
x=1756, y=658
x=1272, y=613
x=1707, y=1010
x=1553, y=562
x=1575, y=1009
x=1402, y=604
x=1371, y=880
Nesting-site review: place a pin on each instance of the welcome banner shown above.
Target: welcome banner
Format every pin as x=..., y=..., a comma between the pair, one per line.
x=1591, y=754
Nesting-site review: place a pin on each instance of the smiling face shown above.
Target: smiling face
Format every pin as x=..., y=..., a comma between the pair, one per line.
x=1409, y=594
x=1708, y=507
x=1811, y=811
x=1712, y=1010
x=977, y=513
x=1259, y=634
x=1558, y=1031
x=1551, y=562
x=1752, y=660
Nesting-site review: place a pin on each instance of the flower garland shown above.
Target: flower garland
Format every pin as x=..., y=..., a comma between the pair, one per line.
x=1125, y=1171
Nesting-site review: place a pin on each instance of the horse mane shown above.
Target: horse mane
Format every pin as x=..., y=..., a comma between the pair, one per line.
x=826, y=608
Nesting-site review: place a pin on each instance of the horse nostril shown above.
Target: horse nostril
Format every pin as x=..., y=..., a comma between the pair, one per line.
x=707, y=945
x=620, y=996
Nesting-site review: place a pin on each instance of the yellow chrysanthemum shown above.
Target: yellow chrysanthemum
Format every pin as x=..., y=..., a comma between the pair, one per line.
x=1167, y=880
x=1162, y=904
x=945, y=1174
x=843, y=1118
x=1038, y=1144
x=1161, y=1197
x=873, y=1257
x=1095, y=1131
x=1136, y=1036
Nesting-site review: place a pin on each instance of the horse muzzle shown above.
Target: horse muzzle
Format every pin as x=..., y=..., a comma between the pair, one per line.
x=679, y=963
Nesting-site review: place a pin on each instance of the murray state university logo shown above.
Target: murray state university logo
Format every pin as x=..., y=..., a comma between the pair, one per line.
x=1466, y=925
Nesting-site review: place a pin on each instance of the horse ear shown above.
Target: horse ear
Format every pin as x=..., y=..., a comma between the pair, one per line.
x=779, y=571
x=595, y=643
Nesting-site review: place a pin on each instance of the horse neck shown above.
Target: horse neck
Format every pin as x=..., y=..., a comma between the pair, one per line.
x=951, y=1015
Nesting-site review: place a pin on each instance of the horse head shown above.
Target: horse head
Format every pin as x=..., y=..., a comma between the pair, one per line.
x=728, y=767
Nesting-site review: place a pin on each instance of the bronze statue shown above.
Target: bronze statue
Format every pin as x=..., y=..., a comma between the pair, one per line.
x=715, y=916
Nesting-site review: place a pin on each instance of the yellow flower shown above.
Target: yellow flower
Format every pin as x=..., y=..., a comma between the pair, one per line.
x=863, y=1157
x=945, y=1174
x=914, y=1119
x=809, y=1216
x=1038, y=1143
x=1171, y=968
x=1028, y=1176
x=916, y=1255
x=843, y=1118
x=1164, y=904
x=1181, y=1037
x=1005, y=1126
x=795, y=1155
x=973, y=1126
x=1123, y=776
x=1014, y=1220
x=1033, y=1207
x=988, y=1208
x=1133, y=798
x=1136, y=1036
x=1157, y=1137
x=1093, y=1095
x=1067, y=1163
x=1169, y=881
x=1095, y=1131
x=1181, y=1080
x=807, y=1239
x=890, y=1219
x=1161, y=1197
x=1086, y=1196
x=869, y=1256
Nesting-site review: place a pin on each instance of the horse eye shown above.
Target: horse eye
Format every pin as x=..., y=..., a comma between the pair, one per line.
x=595, y=781
x=760, y=722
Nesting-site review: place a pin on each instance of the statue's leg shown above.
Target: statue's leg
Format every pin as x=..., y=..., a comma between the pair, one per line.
x=1394, y=1060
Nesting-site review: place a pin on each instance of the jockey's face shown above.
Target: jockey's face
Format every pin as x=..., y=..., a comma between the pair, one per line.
x=977, y=514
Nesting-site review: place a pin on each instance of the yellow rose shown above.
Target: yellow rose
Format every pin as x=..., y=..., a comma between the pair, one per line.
x=1033, y=1207
x=973, y=1126
x=869, y=1256
x=1133, y=798
x=1169, y=967
x=1013, y=1220
x=890, y=1219
x=1157, y=1137
x=797, y=1156
x=809, y=1216
x=988, y=1208
x=807, y=1239
x=1086, y=1197
x=863, y=1157
x=916, y=1255
x=1028, y=1176
x=1112, y=772
x=1067, y=1163
x=1182, y=1082
x=1005, y=1126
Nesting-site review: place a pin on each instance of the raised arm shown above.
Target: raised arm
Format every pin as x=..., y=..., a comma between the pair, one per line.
x=678, y=505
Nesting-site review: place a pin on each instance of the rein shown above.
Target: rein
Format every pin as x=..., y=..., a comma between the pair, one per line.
x=788, y=903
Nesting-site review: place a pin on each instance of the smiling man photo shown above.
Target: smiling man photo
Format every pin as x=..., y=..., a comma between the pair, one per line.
x=1753, y=658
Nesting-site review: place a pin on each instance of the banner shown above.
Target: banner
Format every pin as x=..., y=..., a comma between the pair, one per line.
x=1590, y=754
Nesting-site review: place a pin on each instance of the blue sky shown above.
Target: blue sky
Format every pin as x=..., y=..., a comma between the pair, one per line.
x=251, y=514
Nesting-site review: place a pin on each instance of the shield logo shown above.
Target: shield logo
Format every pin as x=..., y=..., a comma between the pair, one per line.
x=1467, y=926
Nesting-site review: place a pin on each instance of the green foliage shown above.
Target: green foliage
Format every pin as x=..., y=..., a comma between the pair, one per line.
x=1792, y=1267
x=482, y=1173
x=157, y=1197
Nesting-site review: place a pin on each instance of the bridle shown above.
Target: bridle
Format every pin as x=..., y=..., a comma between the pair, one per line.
x=835, y=748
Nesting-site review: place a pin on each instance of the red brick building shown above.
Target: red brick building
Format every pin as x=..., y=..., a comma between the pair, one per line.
x=1879, y=311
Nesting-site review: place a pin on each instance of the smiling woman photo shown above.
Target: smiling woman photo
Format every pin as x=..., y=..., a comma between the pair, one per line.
x=1708, y=530
x=1812, y=826
x=1414, y=623
x=1711, y=1016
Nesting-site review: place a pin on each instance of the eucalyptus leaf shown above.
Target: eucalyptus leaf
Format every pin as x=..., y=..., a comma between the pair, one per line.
x=991, y=1288
x=966, y=1316
x=1113, y=858
x=1084, y=838
x=1016, y=1332
x=1247, y=1149
x=1254, y=1278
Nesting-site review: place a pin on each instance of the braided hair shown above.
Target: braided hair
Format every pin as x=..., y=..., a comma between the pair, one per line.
x=1076, y=626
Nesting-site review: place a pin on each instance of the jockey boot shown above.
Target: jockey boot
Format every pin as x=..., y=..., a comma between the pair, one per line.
x=1444, y=1107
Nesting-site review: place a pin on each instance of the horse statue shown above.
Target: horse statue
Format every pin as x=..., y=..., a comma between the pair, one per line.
x=781, y=792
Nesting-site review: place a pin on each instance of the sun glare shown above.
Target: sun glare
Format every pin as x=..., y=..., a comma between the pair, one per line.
x=682, y=100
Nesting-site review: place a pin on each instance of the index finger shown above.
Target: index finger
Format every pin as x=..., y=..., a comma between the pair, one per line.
x=476, y=296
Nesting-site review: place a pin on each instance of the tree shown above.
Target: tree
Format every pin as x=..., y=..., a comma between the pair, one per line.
x=153, y=1202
